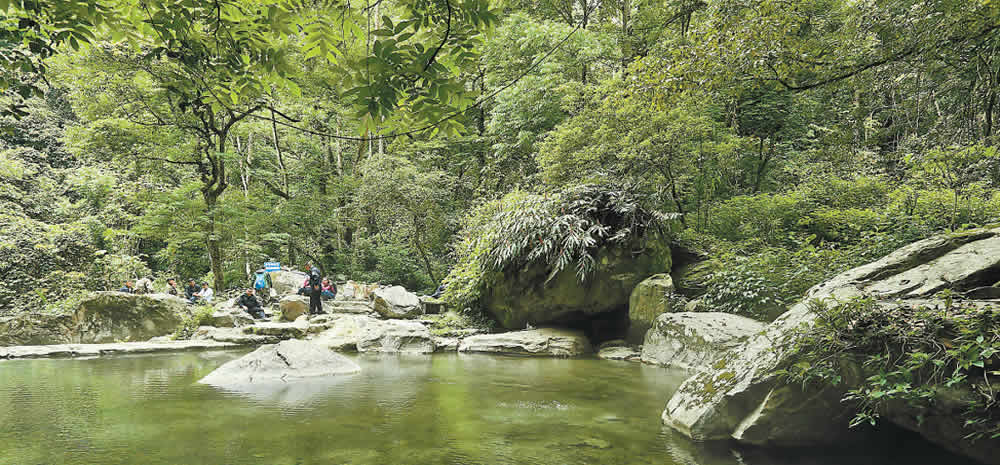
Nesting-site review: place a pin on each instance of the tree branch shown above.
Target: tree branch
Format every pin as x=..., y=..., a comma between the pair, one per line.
x=447, y=35
x=176, y=162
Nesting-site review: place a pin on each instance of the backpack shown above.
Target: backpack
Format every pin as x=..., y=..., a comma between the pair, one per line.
x=261, y=281
x=314, y=278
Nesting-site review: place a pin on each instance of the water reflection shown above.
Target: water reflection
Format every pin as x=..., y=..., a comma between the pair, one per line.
x=444, y=409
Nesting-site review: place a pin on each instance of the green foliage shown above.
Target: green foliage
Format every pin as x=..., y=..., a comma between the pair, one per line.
x=920, y=355
x=450, y=322
x=763, y=283
x=201, y=316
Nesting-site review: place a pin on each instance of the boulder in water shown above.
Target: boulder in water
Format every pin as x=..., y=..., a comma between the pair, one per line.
x=744, y=398
x=551, y=342
x=281, y=363
x=396, y=302
x=618, y=352
x=694, y=341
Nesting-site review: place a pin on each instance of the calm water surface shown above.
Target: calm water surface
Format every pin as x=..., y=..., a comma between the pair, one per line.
x=442, y=409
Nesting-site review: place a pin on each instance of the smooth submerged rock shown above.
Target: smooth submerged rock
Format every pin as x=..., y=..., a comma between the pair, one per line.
x=744, y=398
x=619, y=353
x=551, y=342
x=695, y=341
x=283, y=362
x=528, y=296
x=650, y=299
x=396, y=302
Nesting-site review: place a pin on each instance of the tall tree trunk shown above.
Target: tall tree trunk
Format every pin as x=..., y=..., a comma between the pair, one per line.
x=669, y=174
x=420, y=248
x=762, y=166
x=212, y=244
x=324, y=174
x=991, y=102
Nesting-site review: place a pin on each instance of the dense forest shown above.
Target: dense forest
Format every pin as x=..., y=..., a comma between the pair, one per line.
x=787, y=140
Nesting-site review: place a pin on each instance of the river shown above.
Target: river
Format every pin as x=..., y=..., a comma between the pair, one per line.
x=441, y=409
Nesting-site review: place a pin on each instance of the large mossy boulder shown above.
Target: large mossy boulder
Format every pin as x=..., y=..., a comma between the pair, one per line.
x=115, y=316
x=36, y=329
x=524, y=297
x=99, y=317
x=746, y=399
x=651, y=298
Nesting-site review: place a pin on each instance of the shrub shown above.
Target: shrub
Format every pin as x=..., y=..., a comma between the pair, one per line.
x=201, y=316
x=767, y=217
x=908, y=354
x=763, y=285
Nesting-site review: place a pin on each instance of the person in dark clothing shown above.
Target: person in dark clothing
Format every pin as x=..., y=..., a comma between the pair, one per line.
x=190, y=290
x=127, y=288
x=439, y=292
x=315, y=290
x=172, y=287
x=248, y=302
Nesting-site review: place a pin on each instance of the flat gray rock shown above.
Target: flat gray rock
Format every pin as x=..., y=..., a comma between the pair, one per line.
x=551, y=342
x=283, y=362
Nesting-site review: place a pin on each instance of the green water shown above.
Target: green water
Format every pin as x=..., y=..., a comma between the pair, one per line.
x=442, y=409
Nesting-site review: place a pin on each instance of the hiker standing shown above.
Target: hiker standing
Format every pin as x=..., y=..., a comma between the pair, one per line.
x=315, y=290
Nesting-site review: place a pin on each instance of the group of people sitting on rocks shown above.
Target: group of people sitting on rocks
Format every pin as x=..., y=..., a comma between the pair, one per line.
x=315, y=287
x=192, y=292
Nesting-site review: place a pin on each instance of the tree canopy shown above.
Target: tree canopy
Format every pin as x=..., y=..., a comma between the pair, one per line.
x=191, y=138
